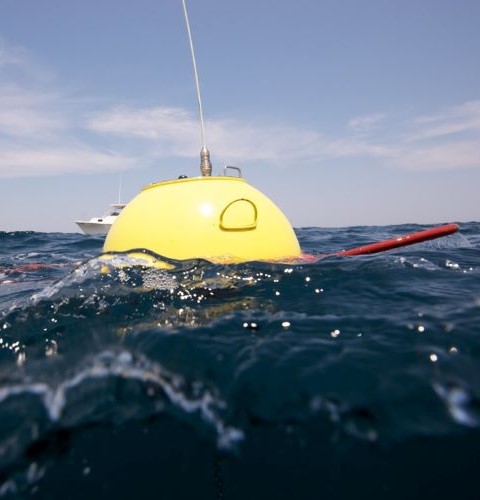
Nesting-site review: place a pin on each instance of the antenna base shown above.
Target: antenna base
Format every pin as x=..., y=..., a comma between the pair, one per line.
x=205, y=164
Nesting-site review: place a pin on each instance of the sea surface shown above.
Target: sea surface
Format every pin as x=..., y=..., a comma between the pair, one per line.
x=344, y=378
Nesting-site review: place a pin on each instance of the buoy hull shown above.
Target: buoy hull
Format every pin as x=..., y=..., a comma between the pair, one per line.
x=220, y=219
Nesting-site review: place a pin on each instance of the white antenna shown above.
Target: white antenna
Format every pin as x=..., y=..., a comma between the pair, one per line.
x=205, y=165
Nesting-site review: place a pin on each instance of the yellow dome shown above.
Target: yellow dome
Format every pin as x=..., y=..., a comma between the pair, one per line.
x=220, y=219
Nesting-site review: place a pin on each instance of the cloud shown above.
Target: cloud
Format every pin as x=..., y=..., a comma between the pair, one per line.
x=446, y=140
x=363, y=124
x=171, y=131
x=25, y=113
x=138, y=135
x=461, y=119
x=447, y=156
x=11, y=56
x=443, y=141
x=39, y=124
x=44, y=131
x=40, y=131
x=39, y=136
x=17, y=63
x=174, y=131
x=41, y=162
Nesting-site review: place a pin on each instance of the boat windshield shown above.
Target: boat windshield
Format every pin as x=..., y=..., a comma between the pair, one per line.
x=116, y=208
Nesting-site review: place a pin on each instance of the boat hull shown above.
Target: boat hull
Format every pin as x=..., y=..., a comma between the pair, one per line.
x=92, y=228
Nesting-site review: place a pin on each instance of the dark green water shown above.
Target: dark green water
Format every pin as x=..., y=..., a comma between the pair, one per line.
x=353, y=377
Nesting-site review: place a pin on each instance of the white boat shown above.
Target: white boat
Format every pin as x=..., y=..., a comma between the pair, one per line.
x=101, y=225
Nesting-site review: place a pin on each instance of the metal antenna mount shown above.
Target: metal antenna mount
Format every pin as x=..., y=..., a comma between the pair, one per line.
x=205, y=165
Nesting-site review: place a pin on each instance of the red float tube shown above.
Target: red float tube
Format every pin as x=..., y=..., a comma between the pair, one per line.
x=402, y=241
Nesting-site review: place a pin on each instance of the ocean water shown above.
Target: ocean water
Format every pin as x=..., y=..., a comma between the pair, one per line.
x=345, y=378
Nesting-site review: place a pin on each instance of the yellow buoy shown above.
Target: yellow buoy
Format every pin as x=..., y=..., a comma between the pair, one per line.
x=221, y=219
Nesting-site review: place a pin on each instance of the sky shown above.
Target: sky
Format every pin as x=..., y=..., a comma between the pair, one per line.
x=343, y=112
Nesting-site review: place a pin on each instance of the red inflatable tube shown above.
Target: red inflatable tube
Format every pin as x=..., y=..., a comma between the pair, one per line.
x=402, y=241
